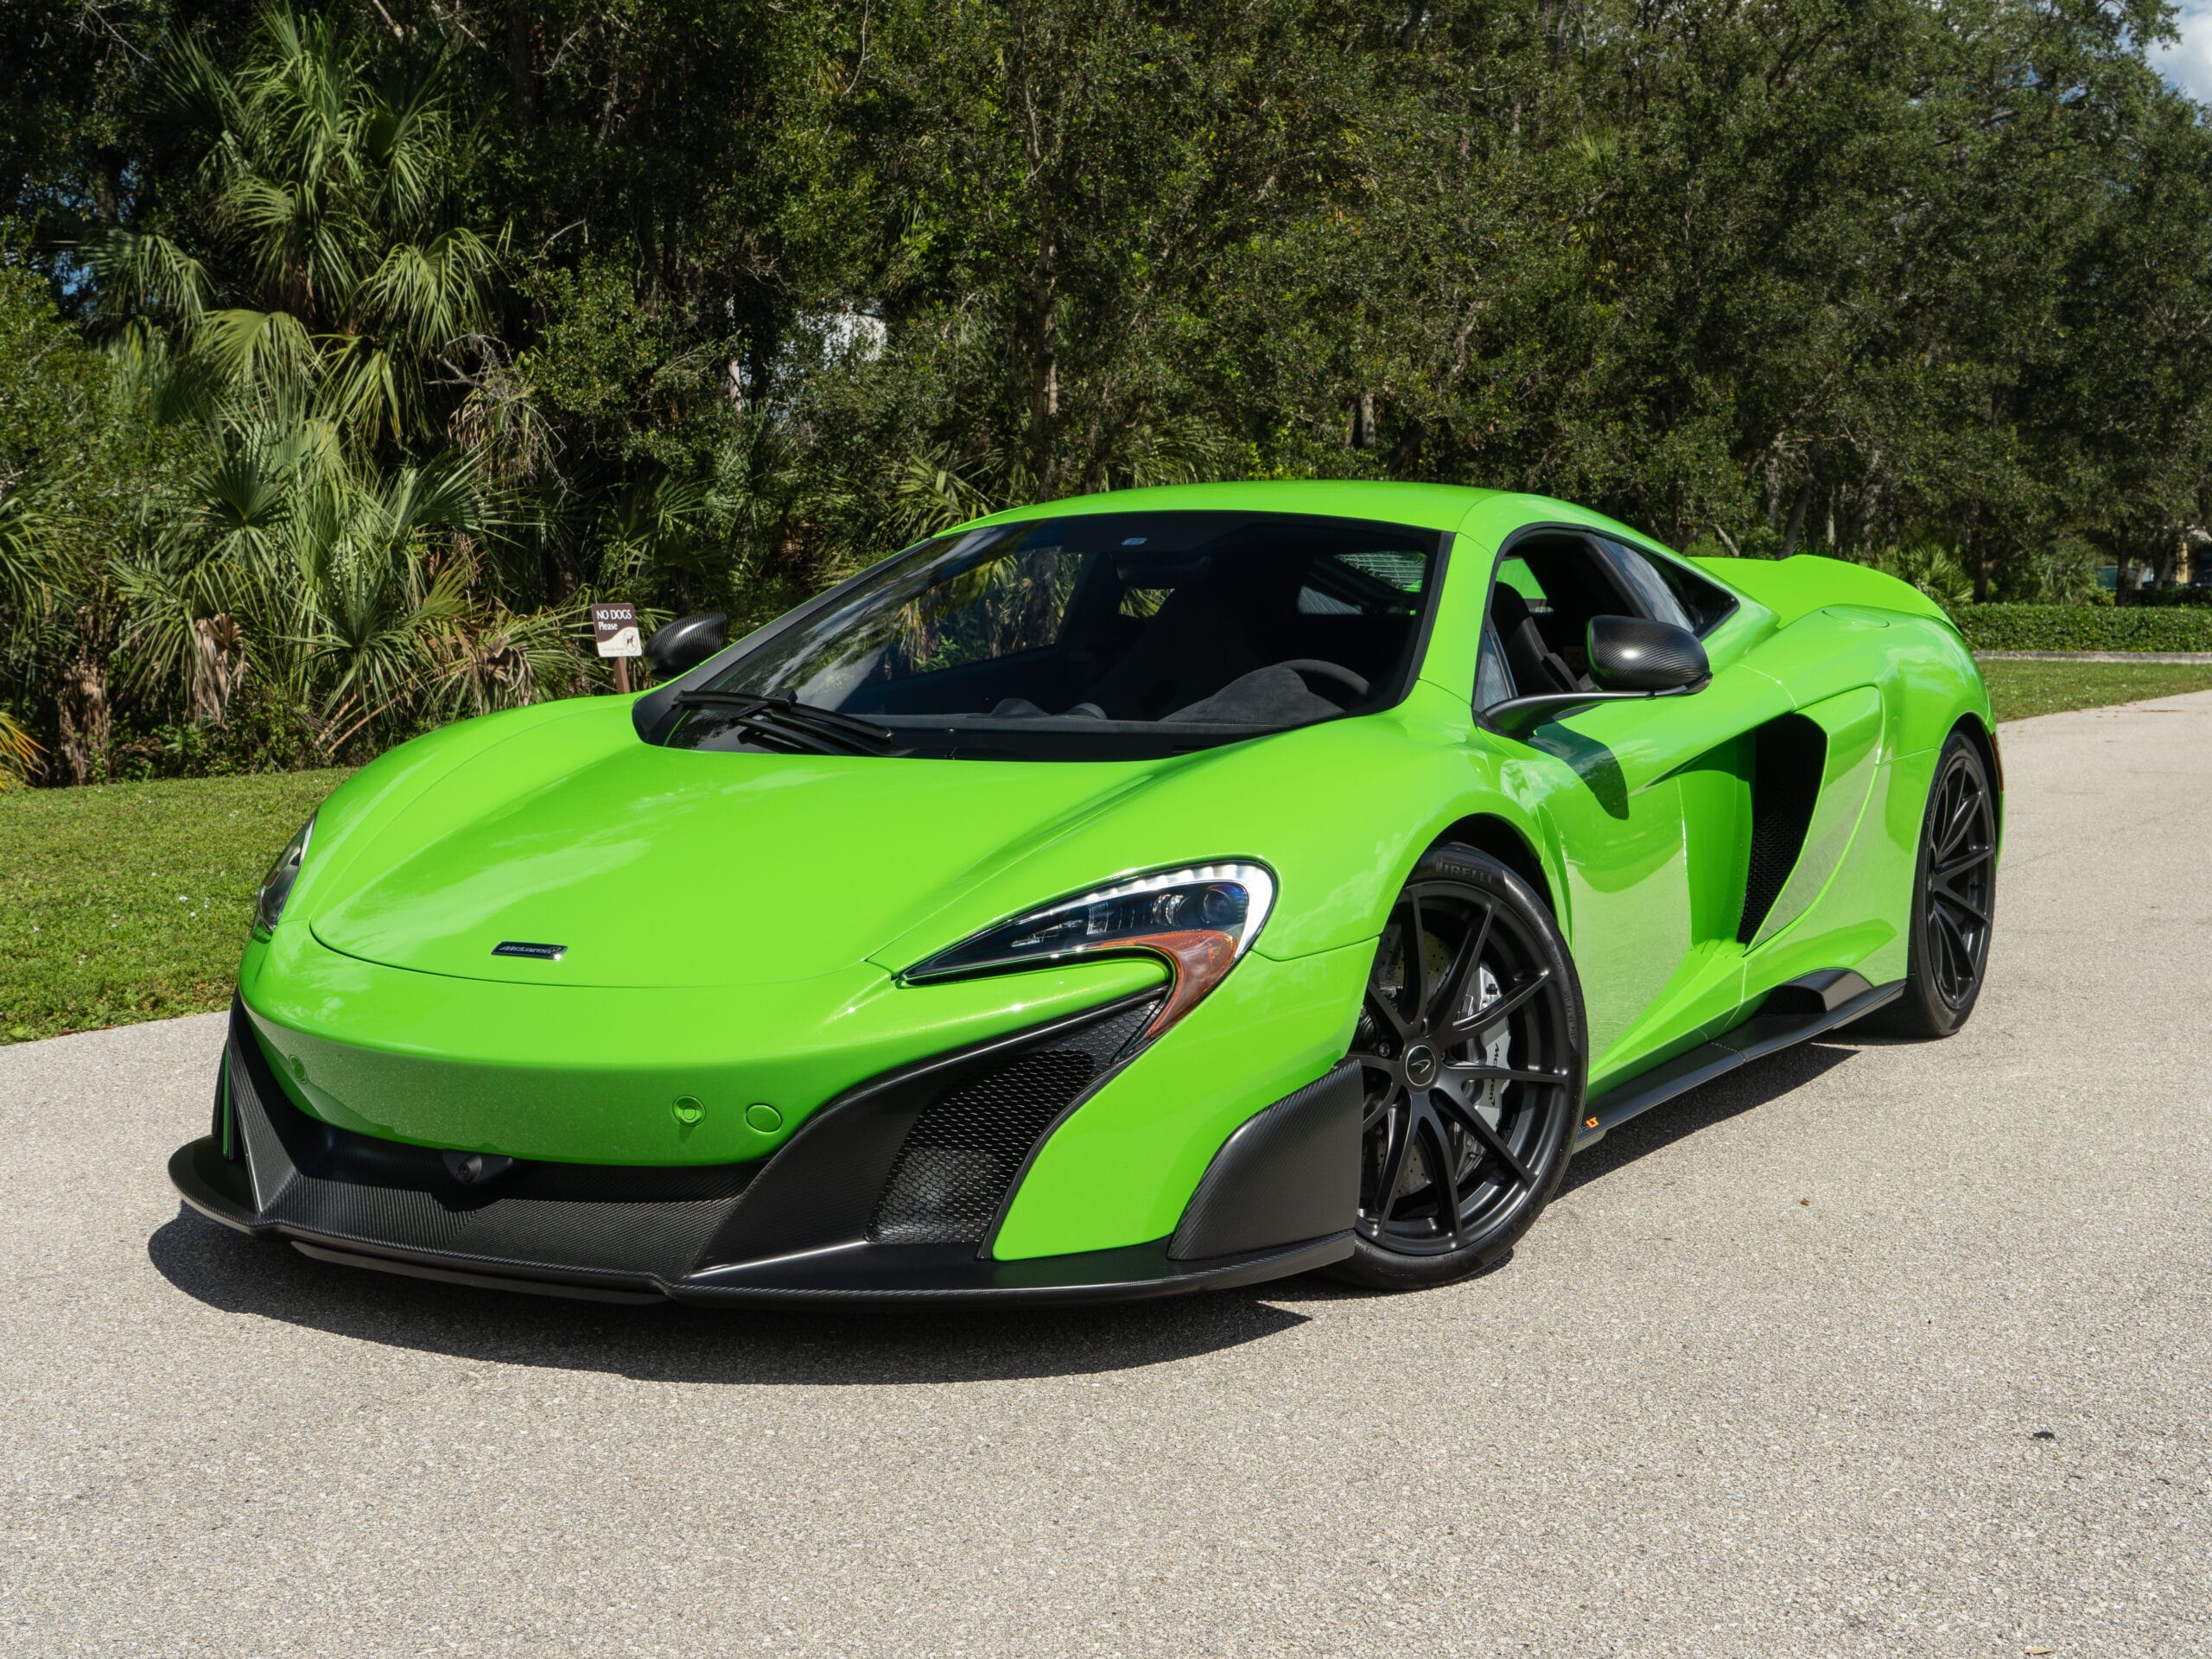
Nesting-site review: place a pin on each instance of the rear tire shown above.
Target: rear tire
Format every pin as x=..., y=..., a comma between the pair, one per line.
x=1953, y=901
x=1472, y=1050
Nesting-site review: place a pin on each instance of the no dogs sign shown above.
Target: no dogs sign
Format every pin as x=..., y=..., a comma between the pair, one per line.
x=616, y=629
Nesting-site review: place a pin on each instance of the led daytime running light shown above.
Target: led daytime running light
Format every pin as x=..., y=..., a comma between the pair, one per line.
x=1199, y=920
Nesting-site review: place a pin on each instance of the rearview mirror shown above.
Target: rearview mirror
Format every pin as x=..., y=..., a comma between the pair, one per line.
x=1633, y=653
x=1632, y=660
x=687, y=642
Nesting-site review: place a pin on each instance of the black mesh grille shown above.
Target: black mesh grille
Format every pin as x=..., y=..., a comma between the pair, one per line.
x=964, y=1150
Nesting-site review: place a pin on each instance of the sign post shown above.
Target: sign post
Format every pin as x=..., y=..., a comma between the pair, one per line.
x=615, y=628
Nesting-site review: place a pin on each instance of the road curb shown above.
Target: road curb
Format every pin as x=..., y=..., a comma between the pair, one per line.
x=2093, y=656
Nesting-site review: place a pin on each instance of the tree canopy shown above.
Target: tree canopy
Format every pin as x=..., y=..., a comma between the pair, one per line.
x=348, y=353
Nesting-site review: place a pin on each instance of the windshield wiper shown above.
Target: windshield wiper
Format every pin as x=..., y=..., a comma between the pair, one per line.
x=782, y=717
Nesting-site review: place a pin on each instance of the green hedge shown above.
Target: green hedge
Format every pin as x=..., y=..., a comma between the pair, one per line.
x=2084, y=627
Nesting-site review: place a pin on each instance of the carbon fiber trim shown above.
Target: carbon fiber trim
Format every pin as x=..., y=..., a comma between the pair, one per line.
x=1289, y=1173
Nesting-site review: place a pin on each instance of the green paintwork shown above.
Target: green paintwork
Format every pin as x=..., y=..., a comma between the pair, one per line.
x=735, y=923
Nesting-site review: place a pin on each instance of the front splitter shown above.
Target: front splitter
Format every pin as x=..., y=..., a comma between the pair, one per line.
x=860, y=1271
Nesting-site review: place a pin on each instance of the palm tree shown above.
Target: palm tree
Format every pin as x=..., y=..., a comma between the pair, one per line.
x=317, y=323
x=331, y=263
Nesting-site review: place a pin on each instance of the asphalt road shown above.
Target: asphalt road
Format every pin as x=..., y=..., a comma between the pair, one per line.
x=1870, y=1348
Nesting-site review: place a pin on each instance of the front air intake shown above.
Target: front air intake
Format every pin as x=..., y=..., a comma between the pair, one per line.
x=957, y=1163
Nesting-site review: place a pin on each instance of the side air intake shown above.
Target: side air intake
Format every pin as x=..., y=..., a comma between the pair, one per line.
x=1789, y=755
x=963, y=1152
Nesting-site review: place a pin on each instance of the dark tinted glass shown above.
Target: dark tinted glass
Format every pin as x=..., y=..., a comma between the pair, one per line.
x=1669, y=592
x=1214, y=624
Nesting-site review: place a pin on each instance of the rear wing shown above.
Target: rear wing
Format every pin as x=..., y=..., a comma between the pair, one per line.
x=1806, y=583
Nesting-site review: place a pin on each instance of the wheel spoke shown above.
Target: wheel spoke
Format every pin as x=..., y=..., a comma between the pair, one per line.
x=1966, y=860
x=1417, y=963
x=1464, y=966
x=1478, y=1126
x=1386, y=1010
x=1954, y=950
x=1945, y=897
x=1475, y=1071
x=1459, y=1030
x=1444, y=1172
x=1399, y=1134
x=1960, y=820
x=1373, y=1106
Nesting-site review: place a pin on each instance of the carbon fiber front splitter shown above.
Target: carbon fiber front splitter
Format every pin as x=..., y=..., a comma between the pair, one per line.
x=856, y=1272
x=791, y=1228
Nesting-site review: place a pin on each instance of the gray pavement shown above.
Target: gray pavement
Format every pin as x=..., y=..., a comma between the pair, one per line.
x=1875, y=1349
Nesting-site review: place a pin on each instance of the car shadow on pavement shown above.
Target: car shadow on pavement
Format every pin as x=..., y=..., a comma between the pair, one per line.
x=670, y=1342
x=875, y=1345
x=1726, y=1097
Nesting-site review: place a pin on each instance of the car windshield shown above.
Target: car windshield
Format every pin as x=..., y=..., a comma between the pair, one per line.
x=1099, y=636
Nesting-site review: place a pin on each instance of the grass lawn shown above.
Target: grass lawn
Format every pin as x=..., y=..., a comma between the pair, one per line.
x=2021, y=688
x=132, y=901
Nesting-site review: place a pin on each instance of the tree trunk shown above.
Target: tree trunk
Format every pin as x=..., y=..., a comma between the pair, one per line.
x=218, y=665
x=1797, y=505
x=1359, y=431
x=82, y=716
x=1044, y=376
x=522, y=68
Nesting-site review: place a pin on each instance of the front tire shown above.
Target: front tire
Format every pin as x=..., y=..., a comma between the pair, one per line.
x=1472, y=1050
x=1954, y=900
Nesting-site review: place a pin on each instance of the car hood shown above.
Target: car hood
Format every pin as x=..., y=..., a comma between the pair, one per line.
x=655, y=867
x=658, y=867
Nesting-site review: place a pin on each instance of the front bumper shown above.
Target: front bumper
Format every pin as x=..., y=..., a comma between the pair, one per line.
x=870, y=1199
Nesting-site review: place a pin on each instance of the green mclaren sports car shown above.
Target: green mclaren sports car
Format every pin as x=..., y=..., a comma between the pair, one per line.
x=1130, y=894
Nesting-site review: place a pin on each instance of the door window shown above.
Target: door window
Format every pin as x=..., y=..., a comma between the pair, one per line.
x=1666, y=591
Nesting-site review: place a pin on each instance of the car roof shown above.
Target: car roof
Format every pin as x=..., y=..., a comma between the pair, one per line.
x=1427, y=506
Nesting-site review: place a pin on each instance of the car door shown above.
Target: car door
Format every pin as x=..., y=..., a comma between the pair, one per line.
x=1649, y=801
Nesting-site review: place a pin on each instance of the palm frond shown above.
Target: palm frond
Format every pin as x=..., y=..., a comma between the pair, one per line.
x=19, y=751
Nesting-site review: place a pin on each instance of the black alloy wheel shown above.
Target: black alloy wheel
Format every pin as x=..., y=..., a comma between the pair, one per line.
x=1953, y=900
x=1471, y=1046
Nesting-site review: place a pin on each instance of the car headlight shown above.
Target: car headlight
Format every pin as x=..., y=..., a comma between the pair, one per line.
x=276, y=885
x=1199, y=920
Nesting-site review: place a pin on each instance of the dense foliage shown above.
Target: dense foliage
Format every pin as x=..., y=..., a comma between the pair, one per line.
x=2081, y=628
x=348, y=354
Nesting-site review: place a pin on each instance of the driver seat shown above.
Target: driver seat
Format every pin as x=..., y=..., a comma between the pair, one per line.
x=1537, y=669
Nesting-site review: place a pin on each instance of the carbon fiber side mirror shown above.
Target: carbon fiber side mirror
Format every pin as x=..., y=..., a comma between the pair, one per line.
x=1633, y=653
x=687, y=642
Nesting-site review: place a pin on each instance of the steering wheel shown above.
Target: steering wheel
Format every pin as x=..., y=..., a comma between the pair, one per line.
x=1315, y=668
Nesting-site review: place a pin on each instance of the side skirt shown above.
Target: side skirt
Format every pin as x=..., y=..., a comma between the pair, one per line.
x=1792, y=1013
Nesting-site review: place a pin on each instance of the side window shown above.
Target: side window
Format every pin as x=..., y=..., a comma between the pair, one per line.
x=1514, y=572
x=1525, y=636
x=1669, y=592
x=1493, y=681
